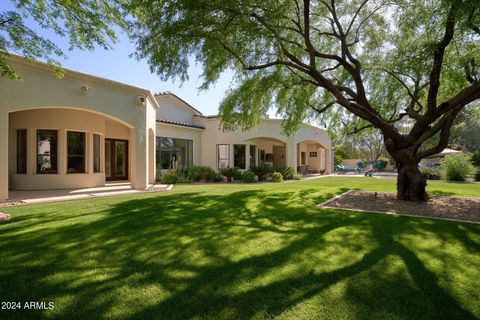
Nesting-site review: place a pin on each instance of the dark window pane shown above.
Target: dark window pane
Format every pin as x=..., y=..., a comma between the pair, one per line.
x=174, y=153
x=96, y=153
x=239, y=156
x=46, y=151
x=253, y=151
x=75, y=152
x=22, y=151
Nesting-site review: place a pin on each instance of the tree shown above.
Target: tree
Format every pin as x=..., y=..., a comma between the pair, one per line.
x=466, y=132
x=392, y=64
x=369, y=143
x=86, y=23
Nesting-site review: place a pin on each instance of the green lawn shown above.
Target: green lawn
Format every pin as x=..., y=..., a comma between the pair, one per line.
x=239, y=251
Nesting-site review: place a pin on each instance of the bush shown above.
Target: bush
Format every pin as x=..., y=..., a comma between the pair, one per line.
x=217, y=177
x=322, y=171
x=197, y=173
x=431, y=173
x=261, y=170
x=169, y=178
x=337, y=159
x=286, y=172
x=238, y=175
x=457, y=167
x=228, y=172
x=477, y=175
x=248, y=177
x=277, y=177
x=476, y=158
x=297, y=176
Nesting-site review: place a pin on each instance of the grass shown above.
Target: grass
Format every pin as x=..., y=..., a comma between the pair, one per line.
x=239, y=251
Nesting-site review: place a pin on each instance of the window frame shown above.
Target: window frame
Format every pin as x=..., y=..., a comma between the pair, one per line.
x=97, y=168
x=22, y=154
x=303, y=158
x=242, y=156
x=54, y=156
x=84, y=156
x=313, y=154
x=252, y=155
x=218, y=155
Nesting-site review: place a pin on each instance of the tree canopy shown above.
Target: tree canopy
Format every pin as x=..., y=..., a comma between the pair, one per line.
x=86, y=24
x=406, y=67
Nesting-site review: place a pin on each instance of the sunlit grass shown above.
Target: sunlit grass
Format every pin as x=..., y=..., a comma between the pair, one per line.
x=239, y=251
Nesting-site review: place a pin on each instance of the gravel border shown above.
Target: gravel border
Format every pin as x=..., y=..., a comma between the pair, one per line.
x=386, y=203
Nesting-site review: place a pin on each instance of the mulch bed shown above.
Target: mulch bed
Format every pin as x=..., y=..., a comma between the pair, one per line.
x=453, y=208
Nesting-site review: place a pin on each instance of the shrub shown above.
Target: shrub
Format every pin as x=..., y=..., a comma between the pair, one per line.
x=476, y=158
x=238, y=175
x=248, y=177
x=217, y=177
x=337, y=159
x=277, y=177
x=228, y=172
x=197, y=173
x=286, y=172
x=431, y=173
x=477, y=175
x=457, y=167
x=297, y=176
x=169, y=178
x=261, y=170
x=322, y=171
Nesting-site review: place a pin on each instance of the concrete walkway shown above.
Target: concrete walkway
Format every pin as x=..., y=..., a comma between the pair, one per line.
x=110, y=189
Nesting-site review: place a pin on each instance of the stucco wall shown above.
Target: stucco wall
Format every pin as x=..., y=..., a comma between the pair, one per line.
x=173, y=109
x=270, y=129
x=39, y=88
x=173, y=131
x=62, y=120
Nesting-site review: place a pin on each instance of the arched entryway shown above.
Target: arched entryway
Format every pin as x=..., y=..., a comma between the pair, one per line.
x=66, y=148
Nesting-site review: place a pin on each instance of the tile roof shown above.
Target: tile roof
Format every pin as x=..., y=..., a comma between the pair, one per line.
x=178, y=123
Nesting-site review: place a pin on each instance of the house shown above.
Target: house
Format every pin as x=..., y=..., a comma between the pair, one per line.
x=81, y=131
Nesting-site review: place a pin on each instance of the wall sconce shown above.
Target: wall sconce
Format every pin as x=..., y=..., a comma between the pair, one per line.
x=86, y=89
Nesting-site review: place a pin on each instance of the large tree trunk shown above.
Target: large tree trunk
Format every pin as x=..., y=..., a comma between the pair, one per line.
x=410, y=182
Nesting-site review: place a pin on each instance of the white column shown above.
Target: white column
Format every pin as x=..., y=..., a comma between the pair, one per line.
x=4, y=155
x=138, y=150
x=328, y=161
x=291, y=150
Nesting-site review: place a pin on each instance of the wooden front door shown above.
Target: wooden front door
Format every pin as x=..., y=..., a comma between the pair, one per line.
x=279, y=160
x=116, y=159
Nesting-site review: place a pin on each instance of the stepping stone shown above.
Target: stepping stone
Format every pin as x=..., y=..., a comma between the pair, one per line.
x=4, y=217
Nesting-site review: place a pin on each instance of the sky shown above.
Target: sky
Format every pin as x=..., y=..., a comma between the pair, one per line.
x=115, y=64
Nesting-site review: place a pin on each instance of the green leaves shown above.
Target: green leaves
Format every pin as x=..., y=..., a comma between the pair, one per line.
x=86, y=23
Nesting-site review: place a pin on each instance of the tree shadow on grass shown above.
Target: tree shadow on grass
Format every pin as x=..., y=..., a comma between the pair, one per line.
x=441, y=193
x=237, y=255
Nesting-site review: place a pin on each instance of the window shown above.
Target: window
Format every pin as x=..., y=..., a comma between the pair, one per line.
x=75, y=152
x=239, y=157
x=96, y=153
x=303, y=158
x=22, y=151
x=313, y=154
x=253, y=151
x=261, y=157
x=223, y=155
x=174, y=153
x=47, y=151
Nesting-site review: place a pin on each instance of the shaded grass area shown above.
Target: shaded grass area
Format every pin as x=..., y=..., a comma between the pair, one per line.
x=239, y=252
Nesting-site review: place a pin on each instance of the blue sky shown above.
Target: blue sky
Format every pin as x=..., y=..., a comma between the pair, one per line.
x=115, y=64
